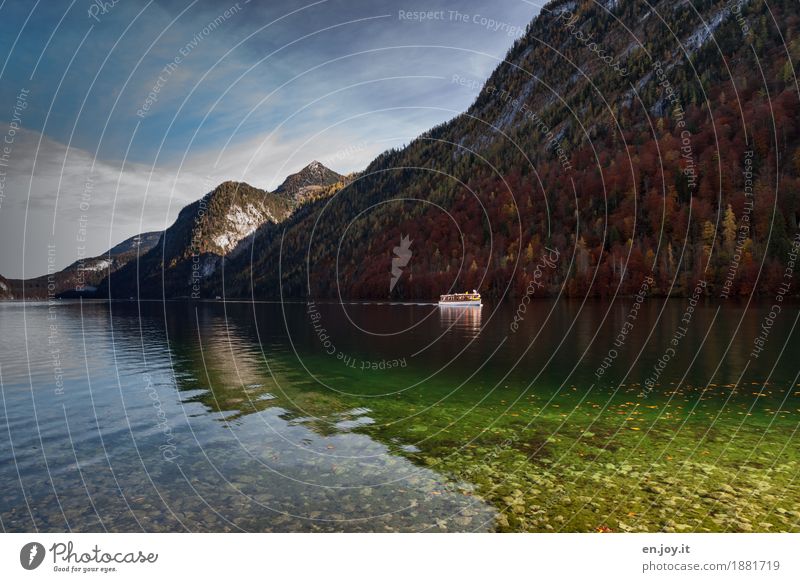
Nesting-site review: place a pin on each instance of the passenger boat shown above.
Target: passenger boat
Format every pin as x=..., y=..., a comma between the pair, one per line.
x=460, y=299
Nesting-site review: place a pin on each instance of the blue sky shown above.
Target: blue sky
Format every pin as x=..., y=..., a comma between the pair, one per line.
x=247, y=91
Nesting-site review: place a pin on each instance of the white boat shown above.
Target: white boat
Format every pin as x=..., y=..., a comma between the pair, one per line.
x=465, y=299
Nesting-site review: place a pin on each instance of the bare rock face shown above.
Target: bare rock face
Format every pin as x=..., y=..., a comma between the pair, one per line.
x=5, y=289
x=217, y=226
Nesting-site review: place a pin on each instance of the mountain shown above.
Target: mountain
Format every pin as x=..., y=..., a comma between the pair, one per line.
x=136, y=245
x=617, y=140
x=175, y=263
x=5, y=289
x=308, y=182
x=217, y=226
x=82, y=277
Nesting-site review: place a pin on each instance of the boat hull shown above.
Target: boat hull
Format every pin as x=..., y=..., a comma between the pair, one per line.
x=460, y=304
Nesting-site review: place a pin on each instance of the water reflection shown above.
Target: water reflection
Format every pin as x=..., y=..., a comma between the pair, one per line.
x=251, y=446
x=257, y=442
x=465, y=320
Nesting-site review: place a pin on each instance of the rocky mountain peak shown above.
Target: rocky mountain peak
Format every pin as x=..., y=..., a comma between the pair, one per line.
x=308, y=181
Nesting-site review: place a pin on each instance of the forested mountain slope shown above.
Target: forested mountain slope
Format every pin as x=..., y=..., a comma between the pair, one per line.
x=630, y=137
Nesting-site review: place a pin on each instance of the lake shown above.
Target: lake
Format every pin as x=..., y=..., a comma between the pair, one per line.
x=662, y=415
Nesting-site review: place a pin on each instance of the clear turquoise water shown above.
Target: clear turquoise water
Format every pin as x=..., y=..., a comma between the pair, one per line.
x=268, y=417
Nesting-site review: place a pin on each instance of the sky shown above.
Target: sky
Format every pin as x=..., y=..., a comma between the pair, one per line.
x=115, y=114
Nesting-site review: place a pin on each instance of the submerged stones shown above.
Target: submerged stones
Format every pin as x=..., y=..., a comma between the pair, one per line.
x=632, y=490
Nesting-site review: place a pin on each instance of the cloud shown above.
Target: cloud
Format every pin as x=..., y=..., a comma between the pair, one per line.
x=64, y=197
